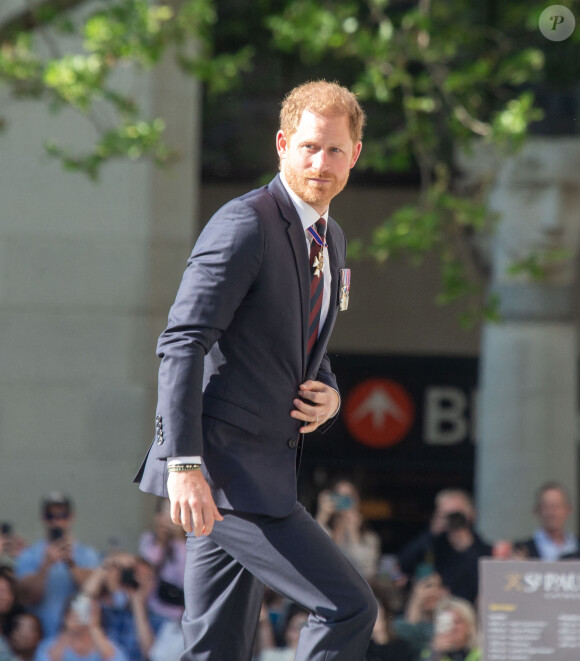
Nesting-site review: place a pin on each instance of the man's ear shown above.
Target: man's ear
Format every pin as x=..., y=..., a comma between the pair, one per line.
x=281, y=144
x=355, y=153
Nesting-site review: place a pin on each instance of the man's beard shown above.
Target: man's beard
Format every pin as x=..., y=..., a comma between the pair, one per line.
x=313, y=194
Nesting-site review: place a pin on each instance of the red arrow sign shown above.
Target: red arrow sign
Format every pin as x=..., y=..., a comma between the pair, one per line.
x=379, y=412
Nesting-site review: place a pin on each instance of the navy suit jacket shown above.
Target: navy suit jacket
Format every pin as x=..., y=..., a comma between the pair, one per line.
x=234, y=353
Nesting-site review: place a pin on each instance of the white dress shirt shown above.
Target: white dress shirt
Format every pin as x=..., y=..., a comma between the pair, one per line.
x=308, y=216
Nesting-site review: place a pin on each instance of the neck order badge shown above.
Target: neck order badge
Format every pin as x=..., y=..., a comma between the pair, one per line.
x=317, y=232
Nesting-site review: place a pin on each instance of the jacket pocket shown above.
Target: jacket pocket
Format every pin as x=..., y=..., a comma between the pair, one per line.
x=236, y=415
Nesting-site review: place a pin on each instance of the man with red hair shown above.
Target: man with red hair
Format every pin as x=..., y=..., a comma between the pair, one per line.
x=244, y=376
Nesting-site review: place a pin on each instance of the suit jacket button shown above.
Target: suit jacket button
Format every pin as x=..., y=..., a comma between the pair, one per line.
x=159, y=439
x=292, y=443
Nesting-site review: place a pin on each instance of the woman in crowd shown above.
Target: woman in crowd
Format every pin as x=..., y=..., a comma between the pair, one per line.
x=24, y=636
x=164, y=549
x=11, y=545
x=297, y=618
x=455, y=637
x=9, y=606
x=416, y=624
x=82, y=637
x=384, y=644
x=339, y=514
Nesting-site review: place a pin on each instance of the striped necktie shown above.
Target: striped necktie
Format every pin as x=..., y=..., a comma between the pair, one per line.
x=316, y=284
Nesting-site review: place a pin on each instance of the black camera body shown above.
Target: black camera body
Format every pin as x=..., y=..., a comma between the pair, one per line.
x=457, y=521
x=55, y=534
x=128, y=579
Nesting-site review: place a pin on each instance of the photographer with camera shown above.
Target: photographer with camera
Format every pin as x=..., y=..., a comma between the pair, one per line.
x=339, y=514
x=50, y=571
x=450, y=544
x=122, y=585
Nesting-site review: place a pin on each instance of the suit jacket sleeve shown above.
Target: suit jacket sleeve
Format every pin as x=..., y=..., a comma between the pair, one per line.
x=326, y=376
x=221, y=269
x=325, y=373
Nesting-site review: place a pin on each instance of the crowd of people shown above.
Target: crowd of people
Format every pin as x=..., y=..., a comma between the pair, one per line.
x=61, y=600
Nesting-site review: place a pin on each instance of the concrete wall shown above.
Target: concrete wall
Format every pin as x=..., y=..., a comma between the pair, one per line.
x=86, y=274
x=528, y=431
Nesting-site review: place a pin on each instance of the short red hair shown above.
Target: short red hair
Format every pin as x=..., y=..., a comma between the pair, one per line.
x=325, y=98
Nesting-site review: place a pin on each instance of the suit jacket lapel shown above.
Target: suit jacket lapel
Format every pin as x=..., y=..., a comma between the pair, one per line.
x=298, y=241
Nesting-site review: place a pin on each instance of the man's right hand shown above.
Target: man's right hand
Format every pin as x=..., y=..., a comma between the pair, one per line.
x=192, y=505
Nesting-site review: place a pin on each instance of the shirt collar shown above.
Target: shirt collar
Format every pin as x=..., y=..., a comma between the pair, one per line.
x=569, y=545
x=308, y=216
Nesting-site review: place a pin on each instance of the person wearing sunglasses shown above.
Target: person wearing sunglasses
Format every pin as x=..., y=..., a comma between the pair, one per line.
x=51, y=570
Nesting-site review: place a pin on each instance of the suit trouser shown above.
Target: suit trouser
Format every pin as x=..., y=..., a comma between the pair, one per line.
x=225, y=576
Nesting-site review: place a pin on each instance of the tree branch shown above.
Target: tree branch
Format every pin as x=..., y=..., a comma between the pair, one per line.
x=52, y=47
x=39, y=15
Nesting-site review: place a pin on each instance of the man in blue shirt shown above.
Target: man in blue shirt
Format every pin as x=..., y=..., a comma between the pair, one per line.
x=51, y=570
x=552, y=540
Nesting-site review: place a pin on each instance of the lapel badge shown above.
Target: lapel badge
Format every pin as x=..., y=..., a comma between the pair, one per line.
x=344, y=289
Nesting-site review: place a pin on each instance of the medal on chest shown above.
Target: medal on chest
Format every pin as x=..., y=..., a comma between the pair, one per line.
x=344, y=289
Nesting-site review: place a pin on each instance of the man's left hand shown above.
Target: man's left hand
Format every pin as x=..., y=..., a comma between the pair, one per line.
x=321, y=403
